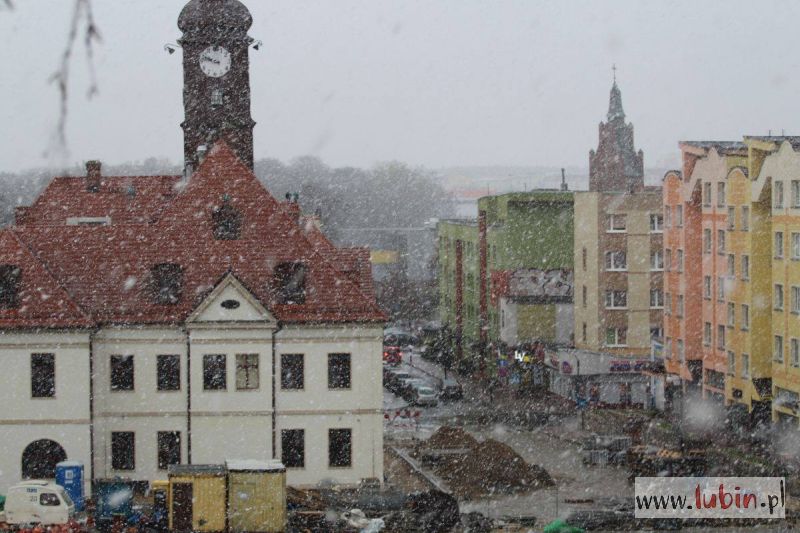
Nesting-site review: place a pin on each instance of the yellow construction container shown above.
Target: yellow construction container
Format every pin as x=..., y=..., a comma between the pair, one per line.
x=256, y=497
x=197, y=498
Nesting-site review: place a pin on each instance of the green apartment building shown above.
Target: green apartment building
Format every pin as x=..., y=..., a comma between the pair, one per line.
x=507, y=276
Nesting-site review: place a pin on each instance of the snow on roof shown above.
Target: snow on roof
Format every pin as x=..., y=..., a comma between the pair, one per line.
x=253, y=465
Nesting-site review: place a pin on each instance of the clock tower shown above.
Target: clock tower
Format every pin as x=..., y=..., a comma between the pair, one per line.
x=216, y=77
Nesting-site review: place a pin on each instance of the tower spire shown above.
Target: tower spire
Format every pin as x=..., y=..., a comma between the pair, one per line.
x=615, y=100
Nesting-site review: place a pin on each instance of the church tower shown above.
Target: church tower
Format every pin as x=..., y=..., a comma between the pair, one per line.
x=216, y=78
x=616, y=166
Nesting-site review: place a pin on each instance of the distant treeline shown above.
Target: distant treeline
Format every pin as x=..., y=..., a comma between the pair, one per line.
x=389, y=194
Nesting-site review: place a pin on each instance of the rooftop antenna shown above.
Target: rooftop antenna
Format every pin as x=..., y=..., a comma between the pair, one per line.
x=614, y=70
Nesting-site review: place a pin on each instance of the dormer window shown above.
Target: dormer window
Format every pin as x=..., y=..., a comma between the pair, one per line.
x=167, y=283
x=9, y=286
x=290, y=283
x=227, y=221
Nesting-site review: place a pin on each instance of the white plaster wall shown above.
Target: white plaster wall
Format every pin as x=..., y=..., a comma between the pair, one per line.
x=367, y=447
x=508, y=324
x=216, y=439
x=565, y=323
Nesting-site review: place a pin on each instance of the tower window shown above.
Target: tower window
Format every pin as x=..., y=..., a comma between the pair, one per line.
x=9, y=286
x=227, y=221
x=290, y=283
x=167, y=283
x=216, y=97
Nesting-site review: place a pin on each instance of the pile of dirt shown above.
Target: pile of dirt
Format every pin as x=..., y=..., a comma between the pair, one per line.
x=308, y=500
x=490, y=468
x=449, y=437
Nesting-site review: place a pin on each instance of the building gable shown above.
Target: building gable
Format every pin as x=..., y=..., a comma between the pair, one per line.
x=230, y=301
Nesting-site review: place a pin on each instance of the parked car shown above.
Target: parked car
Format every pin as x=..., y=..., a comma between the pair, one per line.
x=38, y=502
x=407, y=386
x=451, y=389
x=392, y=355
x=395, y=379
x=424, y=395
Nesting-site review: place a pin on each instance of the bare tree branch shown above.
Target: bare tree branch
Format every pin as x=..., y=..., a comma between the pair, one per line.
x=82, y=22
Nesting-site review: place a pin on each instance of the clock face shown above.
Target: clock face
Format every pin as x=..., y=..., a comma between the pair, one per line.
x=215, y=61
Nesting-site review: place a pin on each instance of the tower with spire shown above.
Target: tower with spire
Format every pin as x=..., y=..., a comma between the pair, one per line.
x=616, y=166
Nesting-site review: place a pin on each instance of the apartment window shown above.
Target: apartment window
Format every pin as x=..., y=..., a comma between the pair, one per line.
x=706, y=194
x=795, y=361
x=667, y=303
x=745, y=218
x=679, y=311
x=720, y=288
x=720, y=241
x=340, y=448
x=616, y=223
x=745, y=267
x=583, y=331
x=166, y=283
x=707, y=287
x=215, y=375
x=292, y=371
x=168, y=372
x=745, y=317
x=680, y=260
x=247, y=376
x=293, y=448
x=731, y=315
x=667, y=216
x=721, y=194
x=656, y=260
x=668, y=347
x=43, y=375
x=795, y=299
x=778, y=245
x=656, y=223
x=795, y=245
x=123, y=450
x=656, y=332
x=216, y=98
x=656, y=298
x=616, y=261
x=339, y=371
x=583, y=257
x=668, y=259
x=778, y=197
x=616, y=299
x=584, y=295
x=777, y=298
x=745, y=365
x=731, y=265
x=679, y=215
x=721, y=337
x=795, y=185
x=731, y=363
x=706, y=241
x=616, y=337
x=169, y=449
x=777, y=349
x=731, y=218
x=707, y=333
x=121, y=372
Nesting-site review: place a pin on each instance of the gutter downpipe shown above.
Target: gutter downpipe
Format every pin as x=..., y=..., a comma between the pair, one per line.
x=188, y=398
x=274, y=395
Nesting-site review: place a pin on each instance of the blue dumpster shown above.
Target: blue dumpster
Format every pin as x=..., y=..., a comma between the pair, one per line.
x=69, y=474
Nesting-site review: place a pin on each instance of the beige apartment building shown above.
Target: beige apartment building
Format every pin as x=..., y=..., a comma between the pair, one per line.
x=619, y=260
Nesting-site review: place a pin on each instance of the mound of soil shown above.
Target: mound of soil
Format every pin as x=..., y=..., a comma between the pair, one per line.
x=489, y=468
x=448, y=437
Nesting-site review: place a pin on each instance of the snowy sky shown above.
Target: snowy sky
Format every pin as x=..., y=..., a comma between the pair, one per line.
x=431, y=82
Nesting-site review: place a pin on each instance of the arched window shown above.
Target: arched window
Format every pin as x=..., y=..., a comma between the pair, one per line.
x=40, y=458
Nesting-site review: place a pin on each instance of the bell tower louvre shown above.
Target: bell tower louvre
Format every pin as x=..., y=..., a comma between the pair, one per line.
x=216, y=78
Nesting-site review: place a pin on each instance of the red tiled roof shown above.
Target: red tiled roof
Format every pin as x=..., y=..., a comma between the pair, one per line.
x=106, y=269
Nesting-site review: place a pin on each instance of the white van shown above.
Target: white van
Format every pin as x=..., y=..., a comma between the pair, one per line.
x=38, y=502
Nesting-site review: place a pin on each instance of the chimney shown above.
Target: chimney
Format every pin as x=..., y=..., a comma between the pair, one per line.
x=293, y=206
x=21, y=214
x=93, y=175
x=564, y=186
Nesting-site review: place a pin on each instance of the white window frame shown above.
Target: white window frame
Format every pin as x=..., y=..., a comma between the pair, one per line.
x=777, y=297
x=613, y=227
x=618, y=334
x=778, y=245
x=616, y=299
x=777, y=348
x=745, y=317
x=745, y=218
x=657, y=260
x=656, y=299
x=656, y=223
x=611, y=257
